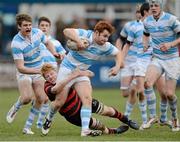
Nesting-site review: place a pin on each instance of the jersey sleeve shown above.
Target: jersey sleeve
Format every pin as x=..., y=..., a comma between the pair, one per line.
x=47, y=89
x=59, y=48
x=131, y=35
x=111, y=50
x=83, y=33
x=123, y=32
x=175, y=24
x=17, y=52
x=42, y=37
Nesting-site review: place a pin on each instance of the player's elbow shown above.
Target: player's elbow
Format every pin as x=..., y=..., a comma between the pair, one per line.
x=54, y=90
x=67, y=31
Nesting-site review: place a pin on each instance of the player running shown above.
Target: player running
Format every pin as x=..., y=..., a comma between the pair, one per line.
x=163, y=27
x=71, y=109
x=98, y=47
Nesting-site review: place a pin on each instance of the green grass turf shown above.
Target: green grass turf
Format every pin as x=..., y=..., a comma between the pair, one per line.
x=64, y=131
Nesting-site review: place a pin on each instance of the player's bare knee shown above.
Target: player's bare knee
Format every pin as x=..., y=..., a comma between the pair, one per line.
x=141, y=96
x=86, y=100
x=38, y=102
x=125, y=93
x=46, y=100
x=147, y=84
x=170, y=95
x=133, y=91
x=163, y=97
x=26, y=99
x=40, y=99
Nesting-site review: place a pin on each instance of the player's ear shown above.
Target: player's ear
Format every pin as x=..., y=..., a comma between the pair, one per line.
x=96, y=33
x=19, y=27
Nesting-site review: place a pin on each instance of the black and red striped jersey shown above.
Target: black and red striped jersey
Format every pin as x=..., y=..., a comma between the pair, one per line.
x=71, y=106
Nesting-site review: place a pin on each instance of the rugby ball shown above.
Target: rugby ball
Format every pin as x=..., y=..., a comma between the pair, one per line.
x=73, y=45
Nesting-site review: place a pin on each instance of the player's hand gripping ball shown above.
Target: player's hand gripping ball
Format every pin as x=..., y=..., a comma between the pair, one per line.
x=73, y=45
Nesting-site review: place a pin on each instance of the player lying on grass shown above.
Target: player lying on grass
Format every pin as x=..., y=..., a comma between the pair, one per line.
x=72, y=106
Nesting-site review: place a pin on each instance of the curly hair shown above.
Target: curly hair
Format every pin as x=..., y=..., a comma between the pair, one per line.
x=104, y=25
x=46, y=68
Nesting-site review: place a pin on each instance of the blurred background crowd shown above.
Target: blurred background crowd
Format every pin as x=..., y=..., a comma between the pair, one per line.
x=66, y=14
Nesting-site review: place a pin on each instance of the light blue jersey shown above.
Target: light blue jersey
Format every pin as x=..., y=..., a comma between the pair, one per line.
x=29, y=51
x=85, y=58
x=163, y=30
x=47, y=55
x=131, y=56
x=135, y=36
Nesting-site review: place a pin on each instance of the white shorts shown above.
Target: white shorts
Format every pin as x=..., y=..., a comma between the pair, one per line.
x=30, y=77
x=170, y=67
x=127, y=71
x=141, y=67
x=64, y=72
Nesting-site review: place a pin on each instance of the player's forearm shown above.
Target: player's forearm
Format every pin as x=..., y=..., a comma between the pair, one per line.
x=119, y=59
x=25, y=70
x=118, y=44
x=175, y=42
x=51, y=47
x=60, y=85
x=125, y=50
x=71, y=34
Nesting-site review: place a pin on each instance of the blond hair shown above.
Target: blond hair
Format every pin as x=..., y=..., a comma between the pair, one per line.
x=47, y=68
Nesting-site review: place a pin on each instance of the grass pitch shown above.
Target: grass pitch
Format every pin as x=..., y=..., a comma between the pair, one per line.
x=64, y=131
